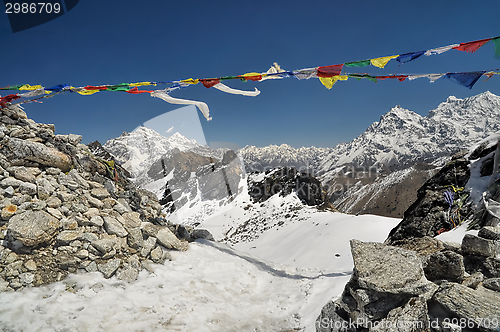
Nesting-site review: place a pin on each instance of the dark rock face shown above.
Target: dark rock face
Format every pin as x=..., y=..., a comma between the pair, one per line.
x=284, y=181
x=428, y=215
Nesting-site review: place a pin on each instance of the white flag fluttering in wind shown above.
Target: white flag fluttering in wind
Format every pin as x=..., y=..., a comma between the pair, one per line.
x=162, y=94
x=225, y=88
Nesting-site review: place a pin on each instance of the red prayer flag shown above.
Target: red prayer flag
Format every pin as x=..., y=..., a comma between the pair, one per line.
x=91, y=87
x=329, y=71
x=136, y=90
x=472, y=46
x=209, y=82
x=8, y=99
x=253, y=78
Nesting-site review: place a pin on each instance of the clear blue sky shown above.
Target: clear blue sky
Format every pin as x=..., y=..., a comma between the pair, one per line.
x=111, y=42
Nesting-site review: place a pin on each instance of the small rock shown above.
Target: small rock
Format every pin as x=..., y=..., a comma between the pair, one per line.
x=4, y=286
x=113, y=226
x=109, y=268
x=9, y=191
x=30, y=265
x=120, y=208
x=55, y=212
x=104, y=245
x=473, y=280
x=134, y=238
x=147, y=246
x=82, y=254
x=475, y=245
x=8, y=211
x=91, y=213
x=26, y=278
x=131, y=220
x=157, y=255
x=128, y=274
x=490, y=233
x=96, y=221
x=444, y=265
x=92, y=267
x=202, y=234
x=100, y=193
x=89, y=237
x=21, y=173
x=149, y=229
x=168, y=239
x=27, y=188
x=65, y=237
x=53, y=202
x=10, y=182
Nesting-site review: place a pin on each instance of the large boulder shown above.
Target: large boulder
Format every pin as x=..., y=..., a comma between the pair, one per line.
x=478, y=308
x=33, y=227
x=23, y=151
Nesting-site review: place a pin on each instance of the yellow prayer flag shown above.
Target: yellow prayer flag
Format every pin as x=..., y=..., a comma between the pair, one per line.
x=142, y=84
x=328, y=82
x=191, y=81
x=251, y=74
x=30, y=87
x=87, y=92
x=381, y=62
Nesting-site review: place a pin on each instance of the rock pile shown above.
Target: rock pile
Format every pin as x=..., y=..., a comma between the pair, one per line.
x=64, y=210
x=422, y=285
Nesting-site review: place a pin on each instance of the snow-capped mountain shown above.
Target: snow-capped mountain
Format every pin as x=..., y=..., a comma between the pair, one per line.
x=139, y=150
x=304, y=158
x=399, y=139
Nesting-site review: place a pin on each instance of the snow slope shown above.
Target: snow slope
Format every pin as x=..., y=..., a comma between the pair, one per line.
x=273, y=274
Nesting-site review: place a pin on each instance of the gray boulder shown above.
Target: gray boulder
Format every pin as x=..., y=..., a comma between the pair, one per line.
x=446, y=265
x=33, y=227
x=388, y=269
x=475, y=306
x=23, y=150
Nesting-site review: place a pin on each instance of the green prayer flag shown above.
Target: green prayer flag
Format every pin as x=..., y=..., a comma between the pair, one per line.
x=118, y=87
x=363, y=63
x=12, y=87
x=496, y=41
x=360, y=76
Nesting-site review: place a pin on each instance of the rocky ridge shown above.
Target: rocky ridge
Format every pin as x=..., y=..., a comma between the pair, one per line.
x=63, y=210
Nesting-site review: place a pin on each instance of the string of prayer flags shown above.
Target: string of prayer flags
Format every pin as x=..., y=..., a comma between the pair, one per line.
x=328, y=76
